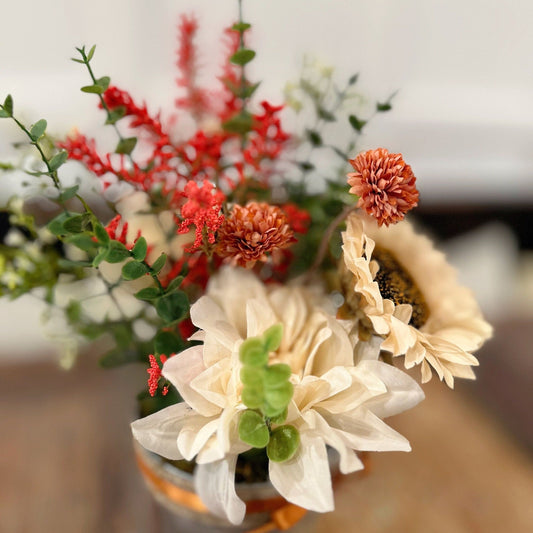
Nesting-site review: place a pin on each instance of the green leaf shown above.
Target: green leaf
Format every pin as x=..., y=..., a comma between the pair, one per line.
x=253, y=429
x=284, y=442
x=280, y=397
x=241, y=26
x=272, y=337
x=103, y=82
x=69, y=193
x=73, y=311
x=353, y=79
x=174, y=285
x=116, y=252
x=8, y=105
x=101, y=233
x=253, y=397
x=75, y=223
x=252, y=352
x=356, y=124
x=314, y=137
x=116, y=114
x=252, y=376
x=248, y=91
x=172, y=307
x=93, y=89
x=306, y=166
x=148, y=294
x=241, y=123
x=271, y=412
x=59, y=159
x=77, y=60
x=99, y=257
x=242, y=56
x=91, y=53
x=140, y=249
x=324, y=114
x=55, y=226
x=134, y=270
x=38, y=129
x=126, y=146
x=277, y=375
x=4, y=113
x=382, y=107
x=280, y=418
x=159, y=263
x=167, y=343
x=83, y=241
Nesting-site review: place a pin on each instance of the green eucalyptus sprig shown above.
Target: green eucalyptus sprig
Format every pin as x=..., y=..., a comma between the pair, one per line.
x=242, y=122
x=35, y=134
x=266, y=393
x=99, y=86
x=85, y=231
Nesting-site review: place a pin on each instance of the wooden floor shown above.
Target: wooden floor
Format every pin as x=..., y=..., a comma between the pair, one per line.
x=66, y=462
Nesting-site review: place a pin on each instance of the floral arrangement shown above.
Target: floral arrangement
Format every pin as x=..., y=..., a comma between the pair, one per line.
x=268, y=316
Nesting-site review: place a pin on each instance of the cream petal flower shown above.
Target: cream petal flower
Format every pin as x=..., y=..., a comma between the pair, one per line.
x=450, y=325
x=335, y=402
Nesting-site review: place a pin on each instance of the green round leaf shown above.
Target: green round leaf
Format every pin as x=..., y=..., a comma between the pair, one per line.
x=116, y=252
x=280, y=418
x=253, y=429
x=252, y=352
x=134, y=270
x=272, y=337
x=277, y=375
x=253, y=397
x=279, y=397
x=167, y=343
x=59, y=159
x=252, y=376
x=148, y=294
x=172, y=307
x=38, y=129
x=242, y=56
x=284, y=442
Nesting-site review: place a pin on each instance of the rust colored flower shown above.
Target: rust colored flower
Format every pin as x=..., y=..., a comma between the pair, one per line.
x=251, y=232
x=385, y=185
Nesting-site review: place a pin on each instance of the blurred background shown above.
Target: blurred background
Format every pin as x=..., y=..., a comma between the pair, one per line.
x=462, y=117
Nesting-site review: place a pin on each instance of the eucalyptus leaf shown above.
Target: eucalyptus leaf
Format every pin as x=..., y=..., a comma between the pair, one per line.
x=159, y=263
x=126, y=146
x=148, y=294
x=356, y=123
x=252, y=352
x=59, y=159
x=172, y=307
x=134, y=270
x=38, y=129
x=253, y=429
x=116, y=252
x=283, y=444
x=140, y=249
x=8, y=105
x=242, y=56
x=91, y=52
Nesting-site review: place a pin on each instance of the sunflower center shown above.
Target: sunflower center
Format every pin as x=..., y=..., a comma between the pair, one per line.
x=396, y=284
